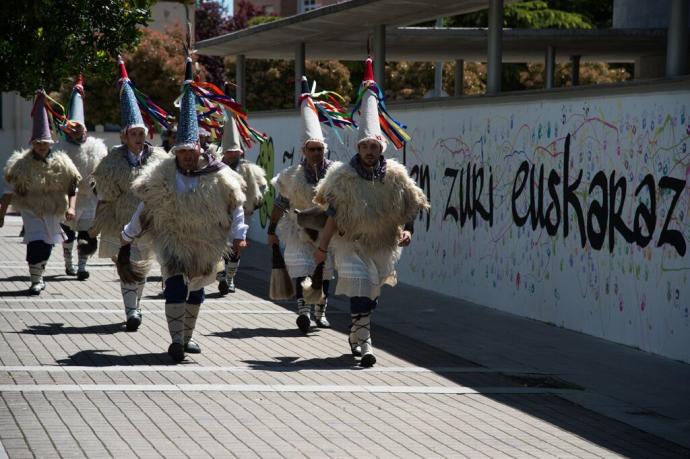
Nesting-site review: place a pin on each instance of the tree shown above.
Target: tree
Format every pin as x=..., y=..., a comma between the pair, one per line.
x=527, y=14
x=547, y=14
x=210, y=21
x=156, y=67
x=271, y=83
x=45, y=42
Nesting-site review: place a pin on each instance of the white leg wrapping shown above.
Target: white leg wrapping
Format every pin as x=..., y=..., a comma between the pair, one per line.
x=231, y=269
x=190, y=316
x=175, y=314
x=129, y=296
x=140, y=292
x=361, y=329
x=319, y=311
x=303, y=309
x=36, y=272
x=67, y=253
x=81, y=264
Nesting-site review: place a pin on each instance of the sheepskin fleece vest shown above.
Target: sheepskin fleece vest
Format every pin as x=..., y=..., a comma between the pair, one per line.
x=41, y=186
x=113, y=179
x=371, y=211
x=256, y=185
x=293, y=185
x=85, y=157
x=189, y=230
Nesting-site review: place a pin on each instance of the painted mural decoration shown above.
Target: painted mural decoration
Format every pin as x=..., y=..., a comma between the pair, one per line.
x=573, y=212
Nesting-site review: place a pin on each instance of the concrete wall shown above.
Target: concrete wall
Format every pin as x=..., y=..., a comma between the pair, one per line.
x=616, y=267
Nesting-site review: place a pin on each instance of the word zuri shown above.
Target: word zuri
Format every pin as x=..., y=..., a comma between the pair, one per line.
x=603, y=217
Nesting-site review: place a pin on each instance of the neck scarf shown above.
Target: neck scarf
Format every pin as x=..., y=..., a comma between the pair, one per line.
x=212, y=164
x=39, y=158
x=376, y=173
x=315, y=173
x=141, y=158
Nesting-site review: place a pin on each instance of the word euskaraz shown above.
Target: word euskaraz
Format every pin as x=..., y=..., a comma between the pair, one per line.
x=602, y=219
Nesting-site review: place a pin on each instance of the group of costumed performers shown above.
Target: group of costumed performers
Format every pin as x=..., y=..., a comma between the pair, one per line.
x=295, y=189
x=42, y=184
x=191, y=207
x=370, y=203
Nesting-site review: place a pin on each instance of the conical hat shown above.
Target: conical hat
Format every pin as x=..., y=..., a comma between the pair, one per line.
x=76, y=103
x=369, y=125
x=311, y=127
x=130, y=116
x=188, y=125
x=231, y=135
x=41, y=127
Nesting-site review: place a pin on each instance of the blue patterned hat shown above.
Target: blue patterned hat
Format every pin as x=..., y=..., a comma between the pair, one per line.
x=130, y=116
x=187, y=126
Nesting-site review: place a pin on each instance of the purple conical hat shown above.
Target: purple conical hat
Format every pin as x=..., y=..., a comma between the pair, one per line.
x=41, y=126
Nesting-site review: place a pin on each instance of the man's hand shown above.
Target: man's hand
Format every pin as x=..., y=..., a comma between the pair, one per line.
x=273, y=240
x=70, y=214
x=320, y=255
x=405, y=239
x=238, y=245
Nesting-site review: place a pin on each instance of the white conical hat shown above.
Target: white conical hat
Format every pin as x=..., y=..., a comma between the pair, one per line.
x=311, y=128
x=231, y=135
x=369, y=124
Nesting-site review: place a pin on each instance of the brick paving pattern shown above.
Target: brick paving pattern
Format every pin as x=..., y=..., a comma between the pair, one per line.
x=74, y=383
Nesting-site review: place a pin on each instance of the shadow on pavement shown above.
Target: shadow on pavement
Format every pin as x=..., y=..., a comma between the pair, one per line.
x=241, y=333
x=287, y=364
x=60, y=329
x=99, y=358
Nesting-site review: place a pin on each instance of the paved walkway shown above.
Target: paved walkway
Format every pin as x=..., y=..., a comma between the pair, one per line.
x=74, y=383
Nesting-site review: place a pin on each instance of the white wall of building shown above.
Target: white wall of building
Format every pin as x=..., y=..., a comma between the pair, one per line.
x=631, y=147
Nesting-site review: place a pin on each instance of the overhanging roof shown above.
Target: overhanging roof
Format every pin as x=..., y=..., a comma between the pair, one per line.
x=341, y=32
x=353, y=18
x=431, y=44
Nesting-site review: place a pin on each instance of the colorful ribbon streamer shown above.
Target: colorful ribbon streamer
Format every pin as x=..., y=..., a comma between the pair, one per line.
x=392, y=128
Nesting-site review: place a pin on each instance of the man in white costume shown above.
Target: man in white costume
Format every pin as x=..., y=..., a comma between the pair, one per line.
x=372, y=203
x=42, y=185
x=295, y=189
x=117, y=202
x=191, y=208
x=86, y=152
